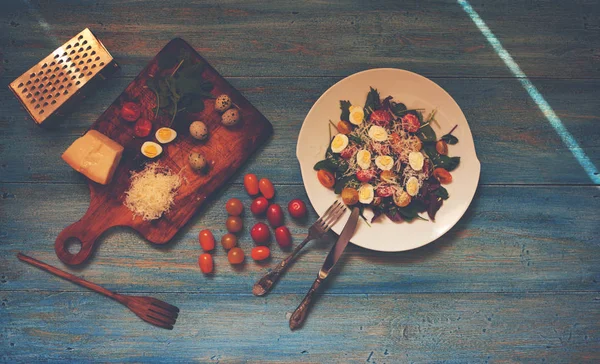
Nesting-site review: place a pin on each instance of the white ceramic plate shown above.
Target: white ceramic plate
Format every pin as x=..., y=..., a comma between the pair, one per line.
x=414, y=91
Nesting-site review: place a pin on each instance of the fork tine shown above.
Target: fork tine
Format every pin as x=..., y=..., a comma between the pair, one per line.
x=162, y=311
x=335, y=214
x=157, y=322
x=164, y=305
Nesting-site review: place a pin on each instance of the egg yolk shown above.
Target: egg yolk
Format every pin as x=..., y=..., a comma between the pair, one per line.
x=151, y=151
x=164, y=133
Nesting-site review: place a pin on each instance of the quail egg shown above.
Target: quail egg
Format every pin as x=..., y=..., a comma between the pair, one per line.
x=197, y=161
x=378, y=133
x=198, y=130
x=384, y=162
x=363, y=159
x=339, y=143
x=412, y=186
x=222, y=103
x=357, y=114
x=165, y=135
x=416, y=160
x=231, y=117
x=366, y=193
x=151, y=149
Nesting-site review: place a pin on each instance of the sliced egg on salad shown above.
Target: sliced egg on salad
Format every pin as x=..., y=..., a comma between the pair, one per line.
x=366, y=193
x=378, y=134
x=151, y=149
x=384, y=162
x=165, y=135
x=363, y=159
x=339, y=143
x=415, y=159
x=412, y=186
x=357, y=115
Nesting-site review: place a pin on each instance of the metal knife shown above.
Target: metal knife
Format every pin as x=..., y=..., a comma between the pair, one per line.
x=334, y=255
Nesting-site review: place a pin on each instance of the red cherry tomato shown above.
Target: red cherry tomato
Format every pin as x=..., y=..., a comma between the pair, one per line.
x=130, y=111
x=251, y=184
x=365, y=175
x=235, y=255
x=384, y=191
x=260, y=253
x=348, y=153
x=297, y=208
x=259, y=205
x=410, y=123
x=205, y=261
x=275, y=215
x=142, y=128
x=283, y=237
x=266, y=188
x=260, y=233
x=207, y=240
x=380, y=117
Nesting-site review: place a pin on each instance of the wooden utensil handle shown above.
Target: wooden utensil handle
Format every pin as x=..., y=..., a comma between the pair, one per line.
x=298, y=317
x=68, y=276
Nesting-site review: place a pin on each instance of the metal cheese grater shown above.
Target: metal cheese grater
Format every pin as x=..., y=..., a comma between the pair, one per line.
x=47, y=88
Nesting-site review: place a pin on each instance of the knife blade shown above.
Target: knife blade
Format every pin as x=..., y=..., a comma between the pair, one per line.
x=340, y=245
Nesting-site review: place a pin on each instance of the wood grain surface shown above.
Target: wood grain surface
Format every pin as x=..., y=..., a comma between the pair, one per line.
x=516, y=280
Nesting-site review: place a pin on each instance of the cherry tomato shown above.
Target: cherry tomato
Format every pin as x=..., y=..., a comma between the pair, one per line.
x=344, y=127
x=326, y=178
x=350, y=196
x=235, y=255
x=234, y=207
x=283, y=237
x=410, y=123
x=130, y=111
x=275, y=215
x=365, y=175
x=380, y=118
x=348, y=153
x=260, y=233
x=251, y=184
x=260, y=253
x=207, y=240
x=266, y=188
x=205, y=261
x=441, y=147
x=142, y=128
x=228, y=241
x=297, y=208
x=259, y=205
x=384, y=191
x=442, y=175
x=234, y=224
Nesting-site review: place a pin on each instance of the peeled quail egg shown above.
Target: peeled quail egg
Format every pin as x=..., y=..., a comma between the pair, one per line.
x=363, y=159
x=339, y=143
x=384, y=162
x=198, y=130
x=222, y=103
x=165, y=135
x=230, y=117
x=412, y=186
x=415, y=159
x=151, y=149
x=378, y=133
x=366, y=193
x=197, y=161
x=357, y=115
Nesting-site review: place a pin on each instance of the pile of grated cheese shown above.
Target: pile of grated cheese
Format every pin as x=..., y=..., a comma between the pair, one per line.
x=152, y=191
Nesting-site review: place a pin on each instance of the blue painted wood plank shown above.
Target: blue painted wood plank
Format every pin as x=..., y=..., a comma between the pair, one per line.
x=514, y=141
x=547, y=38
x=48, y=326
x=512, y=239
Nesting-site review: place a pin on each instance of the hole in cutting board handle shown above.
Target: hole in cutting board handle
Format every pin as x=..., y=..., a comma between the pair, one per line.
x=78, y=235
x=73, y=245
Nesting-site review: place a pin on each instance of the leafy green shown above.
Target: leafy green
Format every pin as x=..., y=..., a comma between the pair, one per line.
x=450, y=139
x=372, y=103
x=398, y=109
x=438, y=160
x=326, y=164
x=345, y=106
x=426, y=134
x=355, y=139
x=341, y=183
x=442, y=192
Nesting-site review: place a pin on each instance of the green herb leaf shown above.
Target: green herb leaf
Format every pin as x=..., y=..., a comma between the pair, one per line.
x=448, y=163
x=372, y=103
x=426, y=134
x=345, y=107
x=326, y=164
x=450, y=139
x=355, y=139
x=341, y=183
x=442, y=192
x=398, y=109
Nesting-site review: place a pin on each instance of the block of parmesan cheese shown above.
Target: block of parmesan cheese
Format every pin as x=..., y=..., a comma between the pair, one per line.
x=95, y=155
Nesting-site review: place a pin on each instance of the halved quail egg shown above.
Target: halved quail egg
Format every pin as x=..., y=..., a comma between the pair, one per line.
x=415, y=159
x=412, y=186
x=151, y=149
x=357, y=115
x=384, y=162
x=165, y=135
x=339, y=143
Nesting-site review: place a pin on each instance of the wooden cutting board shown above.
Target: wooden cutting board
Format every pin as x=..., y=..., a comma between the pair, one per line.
x=226, y=149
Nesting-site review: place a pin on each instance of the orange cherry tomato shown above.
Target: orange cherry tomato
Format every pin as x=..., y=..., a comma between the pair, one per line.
x=207, y=240
x=251, y=184
x=260, y=253
x=326, y=178
x=234, y=207
x=234, y=224
x=442, y=175
x=344, y=127
x=266, y=188
x=205, y=261
x=228, y=241
x=235, y=255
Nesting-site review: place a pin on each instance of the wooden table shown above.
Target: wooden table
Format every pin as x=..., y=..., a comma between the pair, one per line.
x=515, y=280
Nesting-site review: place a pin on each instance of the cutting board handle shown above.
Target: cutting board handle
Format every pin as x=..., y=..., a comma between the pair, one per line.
x=87, y=231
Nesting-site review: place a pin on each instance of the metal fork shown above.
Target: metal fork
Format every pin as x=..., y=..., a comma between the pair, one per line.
x=149, y=309
x=318, y=229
